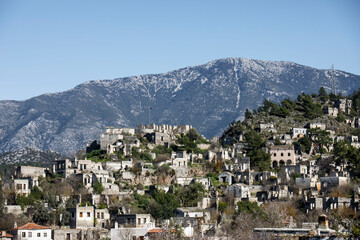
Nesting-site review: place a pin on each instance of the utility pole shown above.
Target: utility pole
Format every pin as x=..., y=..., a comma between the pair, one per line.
x=332, y=80
x=150, y=108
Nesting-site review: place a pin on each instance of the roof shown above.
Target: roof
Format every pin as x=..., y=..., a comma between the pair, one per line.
x=4, y=234
x=281, y=147
x=155, y=230
x=31, y=226
x=190, y=209
x=159, y=230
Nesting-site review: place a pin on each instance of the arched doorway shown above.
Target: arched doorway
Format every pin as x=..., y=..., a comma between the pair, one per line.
x=275, y=164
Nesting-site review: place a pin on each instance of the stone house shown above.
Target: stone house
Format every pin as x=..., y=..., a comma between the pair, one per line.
x=15, y=209
x=243, y=177
x=68, y=167
x=87, y=165
x=279, y=192
x=146, y=167
x=283, y=138
x=333, y=112
x=196, y=157
x=159, y=138
x=307, y=231
x=110, y=188
x=206, y=182
x=128, y=176
x=300, y=168
x=64, y=167
x=322, y=126
x=102, y=218
x=81, y=217
x=192, y=212
x=239, y=148
x=227, y=177
x=329, y=183
x=112, y=134
x=178, y=162
x=242, y=164
x=187, y=225
x=210, y=155
x=269, y=127
x=250, y=178
x=305, y=183
x=89, y=178
x=113, y=166
x=124, y=145
x=96, y=199
x=126, y=165
x=182, y=154
x=19, y=186
x=30, y=171
x=328, y=203
x=354, y=141
x=344, y=105
x=163, y=128
x=118, y=146
x=223, y=154
x=182, y=129
x=32, y=231
x=131, y=233
x=261, y=176
x=68, y=234
x=134, y=221
x=298, y=132
x=184, y=181
x=239, y=190
x=206, y=202
x=107, y=139
x=282, y=155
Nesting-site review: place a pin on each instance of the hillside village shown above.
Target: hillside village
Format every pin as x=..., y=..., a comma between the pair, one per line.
x=289, y=170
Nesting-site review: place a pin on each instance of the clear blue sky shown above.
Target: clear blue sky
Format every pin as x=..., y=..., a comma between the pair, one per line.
x=50, y=46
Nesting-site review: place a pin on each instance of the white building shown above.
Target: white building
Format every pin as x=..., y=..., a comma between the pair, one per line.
x=32, y=231
x=298, y=132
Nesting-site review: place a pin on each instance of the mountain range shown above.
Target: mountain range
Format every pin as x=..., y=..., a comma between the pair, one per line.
x=208, y=97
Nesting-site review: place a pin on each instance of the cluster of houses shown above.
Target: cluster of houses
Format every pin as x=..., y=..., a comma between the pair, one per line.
x=298, y=176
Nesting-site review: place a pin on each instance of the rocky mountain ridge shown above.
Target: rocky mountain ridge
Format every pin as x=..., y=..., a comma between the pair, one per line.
x=29, y=155
x=208, y=96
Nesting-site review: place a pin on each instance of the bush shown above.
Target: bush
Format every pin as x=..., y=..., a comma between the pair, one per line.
x=139, y=186
x=247, y=207
x=163, y=205
x=146, y=157
x=71, y=202
x=98, y=187
x=222, y=206
x=24, y=201
x=102, y=206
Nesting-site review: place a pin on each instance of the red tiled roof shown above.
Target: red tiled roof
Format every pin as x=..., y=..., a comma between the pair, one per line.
x=155, y=230
x=4, y=234
x=31, y=226
x=159, y=230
